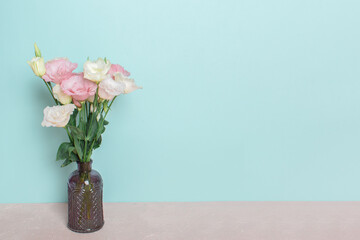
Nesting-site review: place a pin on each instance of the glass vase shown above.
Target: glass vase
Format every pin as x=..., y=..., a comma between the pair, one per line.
x=85, y=205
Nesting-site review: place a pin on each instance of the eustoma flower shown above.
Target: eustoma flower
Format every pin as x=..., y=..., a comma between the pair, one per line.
x=78, y=87
x=109, y=88
x=38, y=66
x=60, y=95
x=93, y=92
x=130, y=85
x=57, y=116
x=118, y=68
x=96, y=71
x=58, y=70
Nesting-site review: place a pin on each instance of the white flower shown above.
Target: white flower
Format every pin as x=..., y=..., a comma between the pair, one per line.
x=57, y=116
x=60, y=95
x=38, y=66
x=96, y=71
x=109, y=88
x=130, y=85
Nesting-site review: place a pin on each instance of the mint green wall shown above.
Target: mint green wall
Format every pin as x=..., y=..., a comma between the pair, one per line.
x=242, y=100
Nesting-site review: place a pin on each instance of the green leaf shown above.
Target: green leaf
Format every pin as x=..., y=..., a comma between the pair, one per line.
x=72, y=121
x=73, y=157
x=66, y=162
x=97, y=143
x=82, y=118
x=64, y=151
x=101, y=128
x=77, y=132
x=78, y=148
x=92, y=129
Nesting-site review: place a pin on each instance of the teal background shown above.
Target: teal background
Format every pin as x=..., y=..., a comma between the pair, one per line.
x=242, y=100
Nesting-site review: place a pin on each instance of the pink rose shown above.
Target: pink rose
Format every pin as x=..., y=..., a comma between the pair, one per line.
x=117, y=68
x=78, y=87
x=58, y=70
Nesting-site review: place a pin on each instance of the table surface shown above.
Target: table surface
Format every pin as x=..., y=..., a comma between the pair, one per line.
x=190, y=221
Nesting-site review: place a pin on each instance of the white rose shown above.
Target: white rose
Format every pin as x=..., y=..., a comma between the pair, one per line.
x=130, y=85
x=60, y=95
x=109, y=88
x=37, y=65
x=57, y=116
x=96, y=71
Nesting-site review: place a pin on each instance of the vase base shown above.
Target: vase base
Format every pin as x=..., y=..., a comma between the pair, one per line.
x=86, y=230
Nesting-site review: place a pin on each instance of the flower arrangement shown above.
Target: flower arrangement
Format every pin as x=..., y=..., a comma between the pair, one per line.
x=82, y=100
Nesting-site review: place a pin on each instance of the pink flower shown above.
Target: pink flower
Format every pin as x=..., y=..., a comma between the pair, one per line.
x=58, y=70
x=118, y=68
x=78, y=87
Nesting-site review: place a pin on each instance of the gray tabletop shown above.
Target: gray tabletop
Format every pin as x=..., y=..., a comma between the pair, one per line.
x=190, y=221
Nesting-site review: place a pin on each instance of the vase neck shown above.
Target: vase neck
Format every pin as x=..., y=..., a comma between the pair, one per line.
x=84, y=167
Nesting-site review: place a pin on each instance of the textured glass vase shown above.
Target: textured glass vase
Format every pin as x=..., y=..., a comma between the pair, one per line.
x=85, y=206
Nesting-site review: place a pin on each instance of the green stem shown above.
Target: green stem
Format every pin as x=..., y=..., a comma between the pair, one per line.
x=93, y=115
x=96, y=98
x=50, y=91
x=86, y=110
x=109, y=107
x=89, y=110
x=49, y=85
x=83, y=115
x=85, y=149
x=56, y=101
x=93, y=142
x=90, y=151
x=68, y=133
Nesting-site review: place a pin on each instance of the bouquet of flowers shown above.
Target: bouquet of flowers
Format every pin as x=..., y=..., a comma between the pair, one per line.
x=82, y=101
